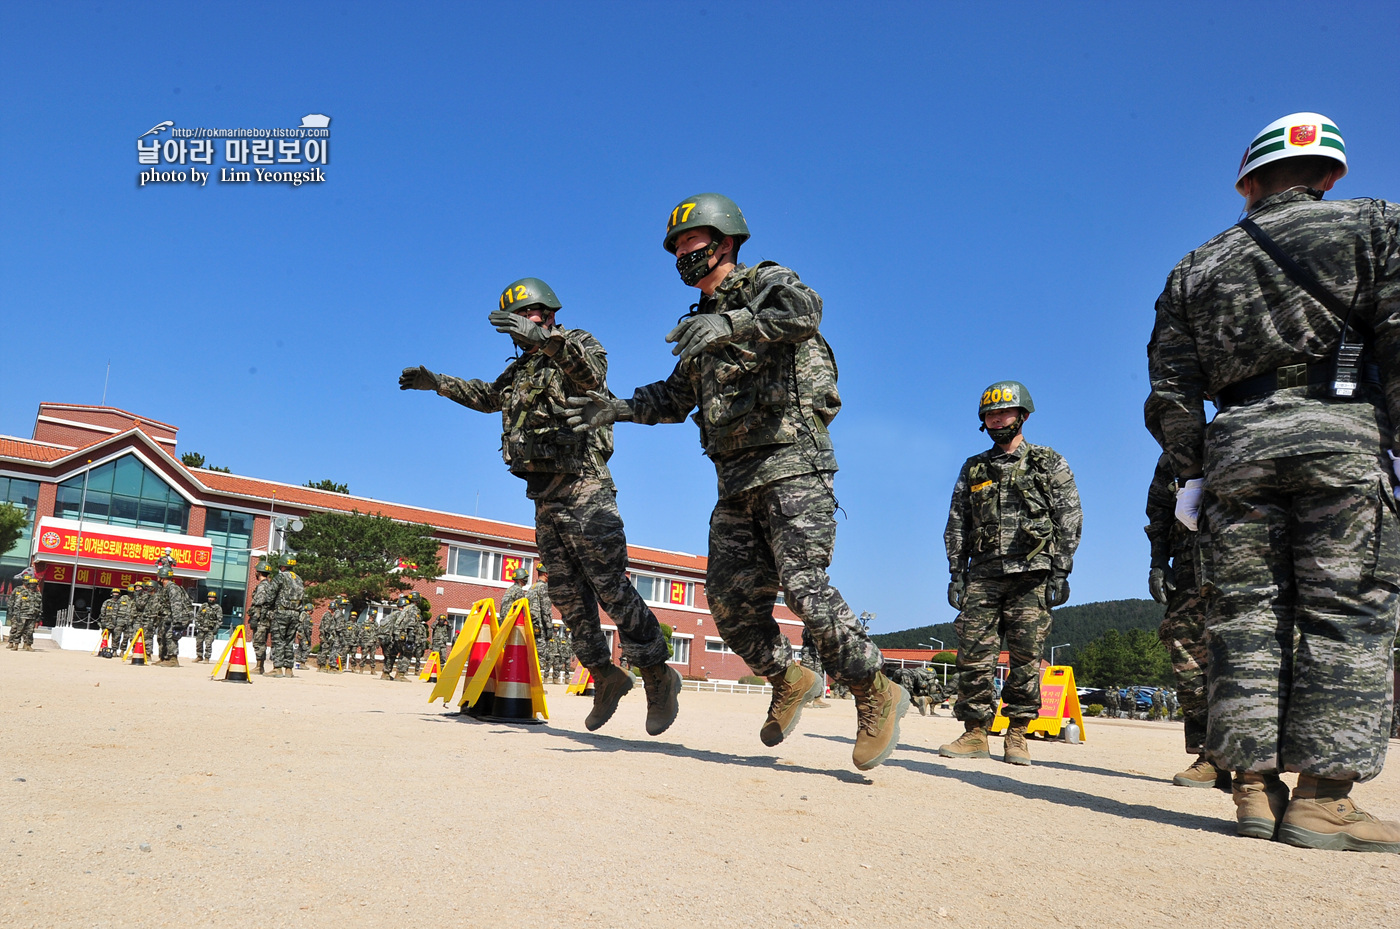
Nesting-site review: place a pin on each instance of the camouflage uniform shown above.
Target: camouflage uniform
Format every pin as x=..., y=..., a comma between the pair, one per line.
x=260, y=617
x=107, y=619
x=514, y=592
x=368, y=638
x=764, y=402
x=1112, y=703
x=177, y=611
x=123, y=621
x=542, y=612
x=144, y=620
x=207, y=623
x=284, y=615
x=303, y=646
x=1014, y=519
x=1183, y=628
x=577, y=525
x=26, y=611
x=1299, y=539
x=442, y=637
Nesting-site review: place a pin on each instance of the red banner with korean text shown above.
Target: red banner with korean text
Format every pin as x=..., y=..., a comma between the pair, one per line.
x=509, y=565
x=109, y=545
x=96, y=577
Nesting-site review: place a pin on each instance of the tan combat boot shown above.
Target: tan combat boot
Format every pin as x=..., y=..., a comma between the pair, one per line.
x=1014, y=749
x=662, y=683
x=610, y=685
x=971, y=744
x=1260, y=799
x=1202, y=773
x=287, y=672
x=880, y=704
x=1323, y=815
x=28, y=647
x=172, y=662
x=791, y=691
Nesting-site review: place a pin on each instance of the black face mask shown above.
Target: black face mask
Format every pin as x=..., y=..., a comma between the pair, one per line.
x=694, y=266
x=1006, y=433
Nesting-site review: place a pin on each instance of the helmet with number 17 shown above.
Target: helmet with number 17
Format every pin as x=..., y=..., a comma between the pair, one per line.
x=715, y=211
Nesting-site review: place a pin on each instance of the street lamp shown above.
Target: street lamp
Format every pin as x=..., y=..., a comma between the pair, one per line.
x=1052, y=650
x=940, y=648
x=865, y=618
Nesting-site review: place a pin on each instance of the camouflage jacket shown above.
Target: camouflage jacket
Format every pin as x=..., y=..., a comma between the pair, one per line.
x=1229, y=313
x=1171, y=542
x=530, y=395
x=542, y=611
x=442, y=637
x=263, y=596
x=209, y=617
x=107, y=619
x=512, y=594
x=287, y=592
x=126, y=609
x=25, y=605
x=763, y=401
x=1012, y=513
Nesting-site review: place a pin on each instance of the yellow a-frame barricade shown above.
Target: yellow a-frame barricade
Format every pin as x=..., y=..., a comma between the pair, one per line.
x=433, y=666
x=493, y=655
x=582, y=678
x=1059, y=703
x=450, y=674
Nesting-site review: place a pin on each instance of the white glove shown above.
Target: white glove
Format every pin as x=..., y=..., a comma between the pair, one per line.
x=1188, y=502
x=1395, y=466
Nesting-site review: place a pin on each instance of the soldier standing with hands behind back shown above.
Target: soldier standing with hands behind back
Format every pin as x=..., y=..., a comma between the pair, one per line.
x=1290, y=321
x=1013, y=528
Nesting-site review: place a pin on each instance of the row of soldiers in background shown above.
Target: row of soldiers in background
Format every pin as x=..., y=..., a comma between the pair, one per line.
x=161, y=611
x=1164, y=703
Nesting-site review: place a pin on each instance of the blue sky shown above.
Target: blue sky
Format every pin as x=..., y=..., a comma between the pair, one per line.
x=978, y=191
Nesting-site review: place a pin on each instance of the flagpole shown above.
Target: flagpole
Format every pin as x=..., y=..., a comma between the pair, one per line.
x=73, y=581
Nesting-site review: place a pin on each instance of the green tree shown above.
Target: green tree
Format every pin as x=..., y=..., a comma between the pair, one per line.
x=192, y=460
x=328, y=485
x=13, y=519
x=1117, y=658
x=358, y=555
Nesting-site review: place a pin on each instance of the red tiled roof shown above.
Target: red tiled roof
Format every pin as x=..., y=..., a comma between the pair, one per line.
x=11, y=447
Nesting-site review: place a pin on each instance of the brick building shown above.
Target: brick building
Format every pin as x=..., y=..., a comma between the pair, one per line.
x=121, y=472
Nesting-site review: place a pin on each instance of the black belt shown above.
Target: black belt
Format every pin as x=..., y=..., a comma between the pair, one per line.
x=1317, y=374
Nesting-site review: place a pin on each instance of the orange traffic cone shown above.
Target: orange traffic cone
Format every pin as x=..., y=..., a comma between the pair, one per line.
x=484, y=704
x=513, y=701
x=238, y=660
x=138, y=647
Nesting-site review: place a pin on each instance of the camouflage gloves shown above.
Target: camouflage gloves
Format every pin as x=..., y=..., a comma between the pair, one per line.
x=699, y=333
x=419, y=378
x=598, y=409
x=1161, y=582
x=957, y=592
x=526, y=334
x=1188, y=502
x=1057, y=590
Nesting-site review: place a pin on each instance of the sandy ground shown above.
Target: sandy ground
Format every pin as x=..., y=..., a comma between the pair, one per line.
x=157, y=797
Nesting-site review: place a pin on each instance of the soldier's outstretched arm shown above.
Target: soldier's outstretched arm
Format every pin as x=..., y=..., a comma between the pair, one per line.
x=582, y=359
x=668, y=401
x=476, y=394
x=783, y=310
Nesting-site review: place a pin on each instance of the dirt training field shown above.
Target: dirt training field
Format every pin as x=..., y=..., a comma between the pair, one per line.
x=150, y=797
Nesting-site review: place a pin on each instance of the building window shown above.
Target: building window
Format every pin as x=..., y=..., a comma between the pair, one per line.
x=231, y=536
x=717, y=646
x=664, y=591
x=124, y=492
x=25, y=495
x=680, y=650
x=484, y=564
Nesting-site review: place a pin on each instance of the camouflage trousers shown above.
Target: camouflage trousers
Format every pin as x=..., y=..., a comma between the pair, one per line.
x=1010, y=606
x=580, y=536
x=259, y=629
x=303, y=639
x=1300, y=565
x=1183, y=633
x=169, y=637
x=204, y=642
x=22, y=631
x=780, y=536
x=284, y=636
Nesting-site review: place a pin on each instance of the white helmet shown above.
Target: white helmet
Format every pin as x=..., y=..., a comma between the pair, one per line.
x=1298, y=134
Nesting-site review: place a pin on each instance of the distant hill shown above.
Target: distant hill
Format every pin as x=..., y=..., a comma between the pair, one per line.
x=1077, y=625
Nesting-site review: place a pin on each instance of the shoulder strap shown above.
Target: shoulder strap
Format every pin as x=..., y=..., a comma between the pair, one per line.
x=1304, y=278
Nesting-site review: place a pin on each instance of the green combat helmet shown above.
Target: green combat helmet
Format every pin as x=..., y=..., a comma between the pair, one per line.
x=1005, y=395
x=529, y=291
x=714, y=211
x=264, y=567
